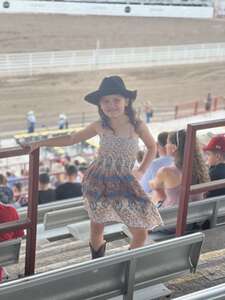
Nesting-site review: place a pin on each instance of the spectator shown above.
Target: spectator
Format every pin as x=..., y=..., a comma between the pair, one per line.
x=82, y=170
x=63, y=122
x=11, y=179
x=67, y=160
x=31, y=122
x=162, y=161
x=58, y=170
x=148, y=111
x=70, y=188
x=81, y=165
x=215, y=152
x=7, y=214
x=6, y=193
x=167, y=182
x=45, y=194
x=208, y=102
x=19, y=198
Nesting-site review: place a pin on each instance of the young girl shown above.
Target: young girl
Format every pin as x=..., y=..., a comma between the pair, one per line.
x=111, y=192
x=167, y=183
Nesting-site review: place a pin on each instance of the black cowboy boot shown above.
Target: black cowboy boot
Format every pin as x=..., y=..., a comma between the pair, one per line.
x=98, y=253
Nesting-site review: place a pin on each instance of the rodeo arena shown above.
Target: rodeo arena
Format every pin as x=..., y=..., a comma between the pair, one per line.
x=52, y=54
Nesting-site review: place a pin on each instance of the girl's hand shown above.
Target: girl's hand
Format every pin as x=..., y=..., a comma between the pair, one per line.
x=138, y=174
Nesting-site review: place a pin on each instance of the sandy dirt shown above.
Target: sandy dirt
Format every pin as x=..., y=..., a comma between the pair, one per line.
x=50, y=95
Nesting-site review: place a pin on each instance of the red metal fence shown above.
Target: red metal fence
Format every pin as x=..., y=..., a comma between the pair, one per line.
x=198, y=107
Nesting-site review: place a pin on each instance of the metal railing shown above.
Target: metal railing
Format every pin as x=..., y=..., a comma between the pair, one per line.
x=186, y=188
x=28, y=64
x=30, y=223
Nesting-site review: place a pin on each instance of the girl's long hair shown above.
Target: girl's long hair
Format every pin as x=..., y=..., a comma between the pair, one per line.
x=200, y=171
x=129, y=111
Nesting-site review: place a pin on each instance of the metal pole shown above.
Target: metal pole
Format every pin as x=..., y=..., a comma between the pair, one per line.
x=32, y=212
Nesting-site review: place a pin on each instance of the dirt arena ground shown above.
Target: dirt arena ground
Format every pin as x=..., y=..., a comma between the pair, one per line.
x=50, y=95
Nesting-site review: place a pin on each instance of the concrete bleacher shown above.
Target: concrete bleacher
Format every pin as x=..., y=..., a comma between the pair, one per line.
x=139, y=271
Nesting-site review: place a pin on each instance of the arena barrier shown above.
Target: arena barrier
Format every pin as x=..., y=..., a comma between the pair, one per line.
x=28, y=64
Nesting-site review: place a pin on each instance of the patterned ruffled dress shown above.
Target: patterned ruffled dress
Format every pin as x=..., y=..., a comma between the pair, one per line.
x=111, y=192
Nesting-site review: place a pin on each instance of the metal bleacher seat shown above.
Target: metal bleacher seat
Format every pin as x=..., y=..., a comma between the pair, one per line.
x=9, y=252
x=80, y=230
x=128, y=275
x=55, y=222
x=52, y=206
x=60, y=218
x=199, y=211
x=213, y=293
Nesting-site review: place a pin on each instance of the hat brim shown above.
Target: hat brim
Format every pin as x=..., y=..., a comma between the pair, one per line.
x=95, y=96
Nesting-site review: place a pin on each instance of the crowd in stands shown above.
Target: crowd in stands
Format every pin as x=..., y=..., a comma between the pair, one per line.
x=167, y=182
x=52, y=186
x=163, y=177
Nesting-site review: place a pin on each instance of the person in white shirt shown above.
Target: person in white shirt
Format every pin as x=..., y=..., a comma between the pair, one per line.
x=162, y=161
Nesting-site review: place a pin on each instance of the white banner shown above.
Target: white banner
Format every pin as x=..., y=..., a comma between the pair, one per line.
x=73, y=8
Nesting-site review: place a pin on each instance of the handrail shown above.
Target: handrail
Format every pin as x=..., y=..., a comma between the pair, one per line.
x=30, y=224
x=187, y=171
x=207, y=186
x=15, y=151
x=15, y=225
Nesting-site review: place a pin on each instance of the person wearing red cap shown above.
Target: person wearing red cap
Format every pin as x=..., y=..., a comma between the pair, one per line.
x=215, y=153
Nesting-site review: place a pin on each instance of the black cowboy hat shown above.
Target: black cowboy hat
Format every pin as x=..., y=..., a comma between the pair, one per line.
x=112, y=85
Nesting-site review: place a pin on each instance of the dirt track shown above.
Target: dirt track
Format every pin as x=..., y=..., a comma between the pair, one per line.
x=50, y=95
x=27, y=33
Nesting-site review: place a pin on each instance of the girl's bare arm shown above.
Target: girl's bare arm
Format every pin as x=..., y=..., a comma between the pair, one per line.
x=150, y=144
x=67, y=140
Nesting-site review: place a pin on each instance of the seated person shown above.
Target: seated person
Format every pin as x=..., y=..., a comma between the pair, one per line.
x=215, y=153
x=11, y=179
x=71, y=188
x=162, y=161
x=167, y=183
x=8, y=213
x=6, y=193
x=45, y=194
x=19, y=198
